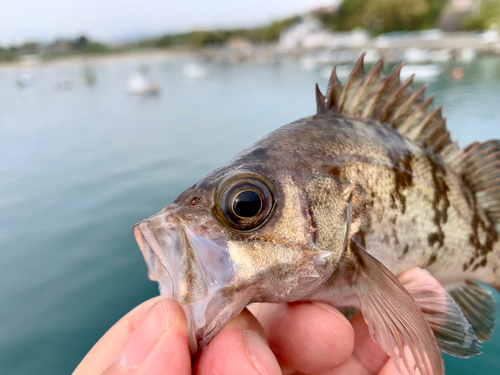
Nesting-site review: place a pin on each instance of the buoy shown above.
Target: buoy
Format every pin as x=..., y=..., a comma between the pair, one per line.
x=458, y=73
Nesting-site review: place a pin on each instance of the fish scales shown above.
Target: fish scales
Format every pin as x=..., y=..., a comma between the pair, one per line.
x=403, y=190
x=404, y=186
x=367, y=204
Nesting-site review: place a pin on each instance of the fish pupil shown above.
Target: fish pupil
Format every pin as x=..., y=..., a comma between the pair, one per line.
x=247, y=204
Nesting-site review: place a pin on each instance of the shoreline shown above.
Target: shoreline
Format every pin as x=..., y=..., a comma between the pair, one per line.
x=411, y=47
x=111, y=58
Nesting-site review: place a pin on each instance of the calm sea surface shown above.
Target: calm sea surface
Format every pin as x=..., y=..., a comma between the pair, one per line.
x=79, y=167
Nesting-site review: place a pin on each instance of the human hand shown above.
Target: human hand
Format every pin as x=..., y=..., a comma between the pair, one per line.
x=311, y=338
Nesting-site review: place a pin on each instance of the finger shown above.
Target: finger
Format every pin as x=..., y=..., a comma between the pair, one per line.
x=367, y=356
x=107, y=349
x=239, y=348
x=390, y=369
x=307, y=337
x=162, y=329
x=169, y=354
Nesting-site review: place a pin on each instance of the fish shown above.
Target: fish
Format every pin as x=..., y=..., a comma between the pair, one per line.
x=367, y=204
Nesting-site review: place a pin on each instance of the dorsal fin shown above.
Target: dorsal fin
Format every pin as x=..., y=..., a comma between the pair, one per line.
x=385, y=99
x=479, y=166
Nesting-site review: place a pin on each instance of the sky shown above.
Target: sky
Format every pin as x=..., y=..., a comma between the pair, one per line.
x=122, y=20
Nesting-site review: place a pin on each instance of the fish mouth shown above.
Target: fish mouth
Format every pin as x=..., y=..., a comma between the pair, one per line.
x=191, y=269
x=152, y=253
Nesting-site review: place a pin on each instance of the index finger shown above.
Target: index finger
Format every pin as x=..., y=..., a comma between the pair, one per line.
x=107, y=349
x=146, y=334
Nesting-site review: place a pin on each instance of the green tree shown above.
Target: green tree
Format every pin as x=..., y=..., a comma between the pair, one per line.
x=272, y=32
x=80, y=43
x=379, y=16
x=30, y=48
x=206, y=38
x=7, y=54
x=85, y=45
x=487, y=14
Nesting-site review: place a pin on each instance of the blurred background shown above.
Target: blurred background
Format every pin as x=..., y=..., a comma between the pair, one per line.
x=110, y=110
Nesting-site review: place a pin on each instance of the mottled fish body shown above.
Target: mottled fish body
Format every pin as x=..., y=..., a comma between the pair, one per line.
x=367, y=204
x=414, y=209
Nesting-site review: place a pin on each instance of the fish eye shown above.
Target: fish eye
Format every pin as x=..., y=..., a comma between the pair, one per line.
x=244, y=202
x=247, y=204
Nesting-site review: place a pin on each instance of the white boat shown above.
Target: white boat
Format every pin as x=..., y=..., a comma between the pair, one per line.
x=196, y=70
x=467, y=55
x=422, y=72
x=309, y=63
x=64, y=85
x=139, y=84
x=416, y=55
x=89, y=77
x=23, y=80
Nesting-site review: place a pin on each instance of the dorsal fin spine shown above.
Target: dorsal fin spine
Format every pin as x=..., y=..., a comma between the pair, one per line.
x=463, y=154
x=407, y=103
x=387, y=100
x=320, y=101
x=449, y=151
x=432, y=130
x=435, y=147
x=406, y=125
x=390, y=102
x=357, y=71
x=394, y=76
x=402, y=107
x=398, y=105
x=333, y=86
x=434, y=114
x=368, y=80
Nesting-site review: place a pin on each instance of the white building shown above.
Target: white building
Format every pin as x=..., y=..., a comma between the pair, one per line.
x=311, y=34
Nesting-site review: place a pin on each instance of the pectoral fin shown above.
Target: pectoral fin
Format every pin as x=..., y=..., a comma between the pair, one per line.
x=453, y=332
x=395, y=321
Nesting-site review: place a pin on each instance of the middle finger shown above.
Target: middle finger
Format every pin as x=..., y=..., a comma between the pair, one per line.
x=306, y=337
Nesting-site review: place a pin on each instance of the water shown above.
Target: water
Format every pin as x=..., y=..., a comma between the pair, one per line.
x=78, y=168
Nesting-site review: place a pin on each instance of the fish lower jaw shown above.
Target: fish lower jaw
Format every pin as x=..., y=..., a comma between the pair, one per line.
x=206, y=312
x=206, y=317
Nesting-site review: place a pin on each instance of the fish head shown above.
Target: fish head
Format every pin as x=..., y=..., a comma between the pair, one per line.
x=244, y=233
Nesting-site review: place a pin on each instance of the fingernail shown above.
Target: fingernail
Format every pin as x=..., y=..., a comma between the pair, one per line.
x=145, y=336
x=260, y=354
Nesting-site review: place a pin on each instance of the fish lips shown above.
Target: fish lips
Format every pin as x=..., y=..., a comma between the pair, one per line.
x=153, y=254
x=191, y=269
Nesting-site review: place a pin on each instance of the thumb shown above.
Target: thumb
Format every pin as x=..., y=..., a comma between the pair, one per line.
x=158, y=344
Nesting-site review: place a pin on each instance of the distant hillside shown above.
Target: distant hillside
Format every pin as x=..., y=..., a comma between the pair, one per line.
x=203, y=38
x=194, y=39
x=384, y=16
x=375, y=16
